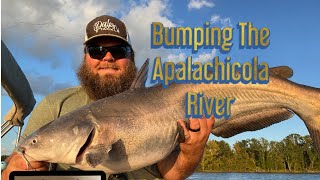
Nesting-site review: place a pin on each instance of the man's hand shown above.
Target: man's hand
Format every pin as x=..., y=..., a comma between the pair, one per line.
x=183, y=164
x=17, y=163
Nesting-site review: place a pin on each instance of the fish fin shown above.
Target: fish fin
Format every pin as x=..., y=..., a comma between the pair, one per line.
x=141, y=78
x=97, y=155
x=282, y=71
x=251, y=122
x=100, y=153
x=313, y=126
x=94, y=159
x=118, y=151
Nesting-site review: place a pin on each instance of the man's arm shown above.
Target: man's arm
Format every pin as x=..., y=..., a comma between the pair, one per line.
x=180, y=165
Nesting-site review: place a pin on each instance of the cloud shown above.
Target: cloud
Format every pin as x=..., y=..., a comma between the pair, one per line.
x=176, y=58
x=44, y=29
x=53, y=36
x=225, y=22
x=13, y=142
x=42, y=85
x=139, y=20
x=204, y=57
x=45, y=84
x=198, y=4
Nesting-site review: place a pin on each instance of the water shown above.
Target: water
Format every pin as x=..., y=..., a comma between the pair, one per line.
x=247, y=176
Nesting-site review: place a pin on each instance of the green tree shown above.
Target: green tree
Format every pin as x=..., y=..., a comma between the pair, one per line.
x=4, y=157
x=293, y=153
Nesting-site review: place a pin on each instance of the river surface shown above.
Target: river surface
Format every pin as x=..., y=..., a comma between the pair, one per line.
x=246, y=176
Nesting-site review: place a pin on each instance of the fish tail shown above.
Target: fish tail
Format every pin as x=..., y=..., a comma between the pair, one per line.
x=309, y=112
x=313, y=125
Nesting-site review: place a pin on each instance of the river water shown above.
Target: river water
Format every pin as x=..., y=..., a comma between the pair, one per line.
x=247, y=176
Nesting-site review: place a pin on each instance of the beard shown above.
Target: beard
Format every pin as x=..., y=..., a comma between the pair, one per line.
x=100, y=87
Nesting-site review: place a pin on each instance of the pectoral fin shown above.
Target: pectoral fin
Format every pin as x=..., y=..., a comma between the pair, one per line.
x=94, y=159
x=97, y=155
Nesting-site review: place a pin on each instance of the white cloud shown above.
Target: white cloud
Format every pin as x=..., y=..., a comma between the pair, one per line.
x=204, y=57
x=13, y=142
x=45, y=29
x=198, y=4
x=44, y=33
x=55, y=35
x=139, y=20
x=42, y=85
x=176, y=58
x=45, y=84
x=215, y=18
x=225, y=22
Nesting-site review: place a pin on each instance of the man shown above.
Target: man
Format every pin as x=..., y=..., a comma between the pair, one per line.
x=109, y=68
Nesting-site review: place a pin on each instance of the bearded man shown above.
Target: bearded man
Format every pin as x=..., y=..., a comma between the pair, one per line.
x=108, y=68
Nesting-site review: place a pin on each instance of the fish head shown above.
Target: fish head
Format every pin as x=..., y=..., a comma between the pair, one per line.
x=58, y=142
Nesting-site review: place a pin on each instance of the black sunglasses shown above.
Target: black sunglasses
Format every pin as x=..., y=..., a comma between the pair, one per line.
x=118, y=51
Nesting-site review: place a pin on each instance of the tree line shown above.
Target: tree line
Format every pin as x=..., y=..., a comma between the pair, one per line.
x=294, y=153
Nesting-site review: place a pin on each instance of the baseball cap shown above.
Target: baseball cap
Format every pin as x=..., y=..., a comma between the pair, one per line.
x=106, y=26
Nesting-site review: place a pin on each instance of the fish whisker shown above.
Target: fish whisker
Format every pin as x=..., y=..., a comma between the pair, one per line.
x=27, y=161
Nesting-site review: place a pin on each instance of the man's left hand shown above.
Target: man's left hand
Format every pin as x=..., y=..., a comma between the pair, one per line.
x=183, y=164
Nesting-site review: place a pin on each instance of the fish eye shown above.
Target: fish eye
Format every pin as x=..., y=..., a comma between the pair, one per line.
x=34, y=141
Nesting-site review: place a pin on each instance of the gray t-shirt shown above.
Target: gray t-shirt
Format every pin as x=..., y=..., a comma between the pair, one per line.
x=63, y=102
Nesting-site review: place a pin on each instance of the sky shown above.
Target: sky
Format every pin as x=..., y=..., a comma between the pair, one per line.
x=46, y=38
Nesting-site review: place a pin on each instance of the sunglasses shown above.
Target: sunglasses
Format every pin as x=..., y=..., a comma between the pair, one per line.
x=118, y=51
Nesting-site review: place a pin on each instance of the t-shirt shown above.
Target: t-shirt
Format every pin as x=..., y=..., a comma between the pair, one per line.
x=63, y=102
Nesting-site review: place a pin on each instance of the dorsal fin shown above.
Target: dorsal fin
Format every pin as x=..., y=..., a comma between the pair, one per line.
x=282, y=71
x=141, y=78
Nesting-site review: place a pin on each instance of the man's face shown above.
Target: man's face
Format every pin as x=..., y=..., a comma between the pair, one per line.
x=107, y=75
x=108, y=65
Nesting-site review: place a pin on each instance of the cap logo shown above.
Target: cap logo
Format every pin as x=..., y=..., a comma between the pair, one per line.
x=105, y=26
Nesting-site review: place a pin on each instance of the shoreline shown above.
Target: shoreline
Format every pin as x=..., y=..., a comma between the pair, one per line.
x=263, y=172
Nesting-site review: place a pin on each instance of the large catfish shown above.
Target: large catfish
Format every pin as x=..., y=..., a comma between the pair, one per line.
x=139, y=127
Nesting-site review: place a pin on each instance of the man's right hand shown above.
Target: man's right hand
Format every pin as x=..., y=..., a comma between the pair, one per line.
x=17, y=163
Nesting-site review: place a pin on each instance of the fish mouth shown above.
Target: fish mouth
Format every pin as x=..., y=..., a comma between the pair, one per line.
x=84, y=147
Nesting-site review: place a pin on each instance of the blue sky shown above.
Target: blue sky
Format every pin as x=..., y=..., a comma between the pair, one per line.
x=46, y=39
